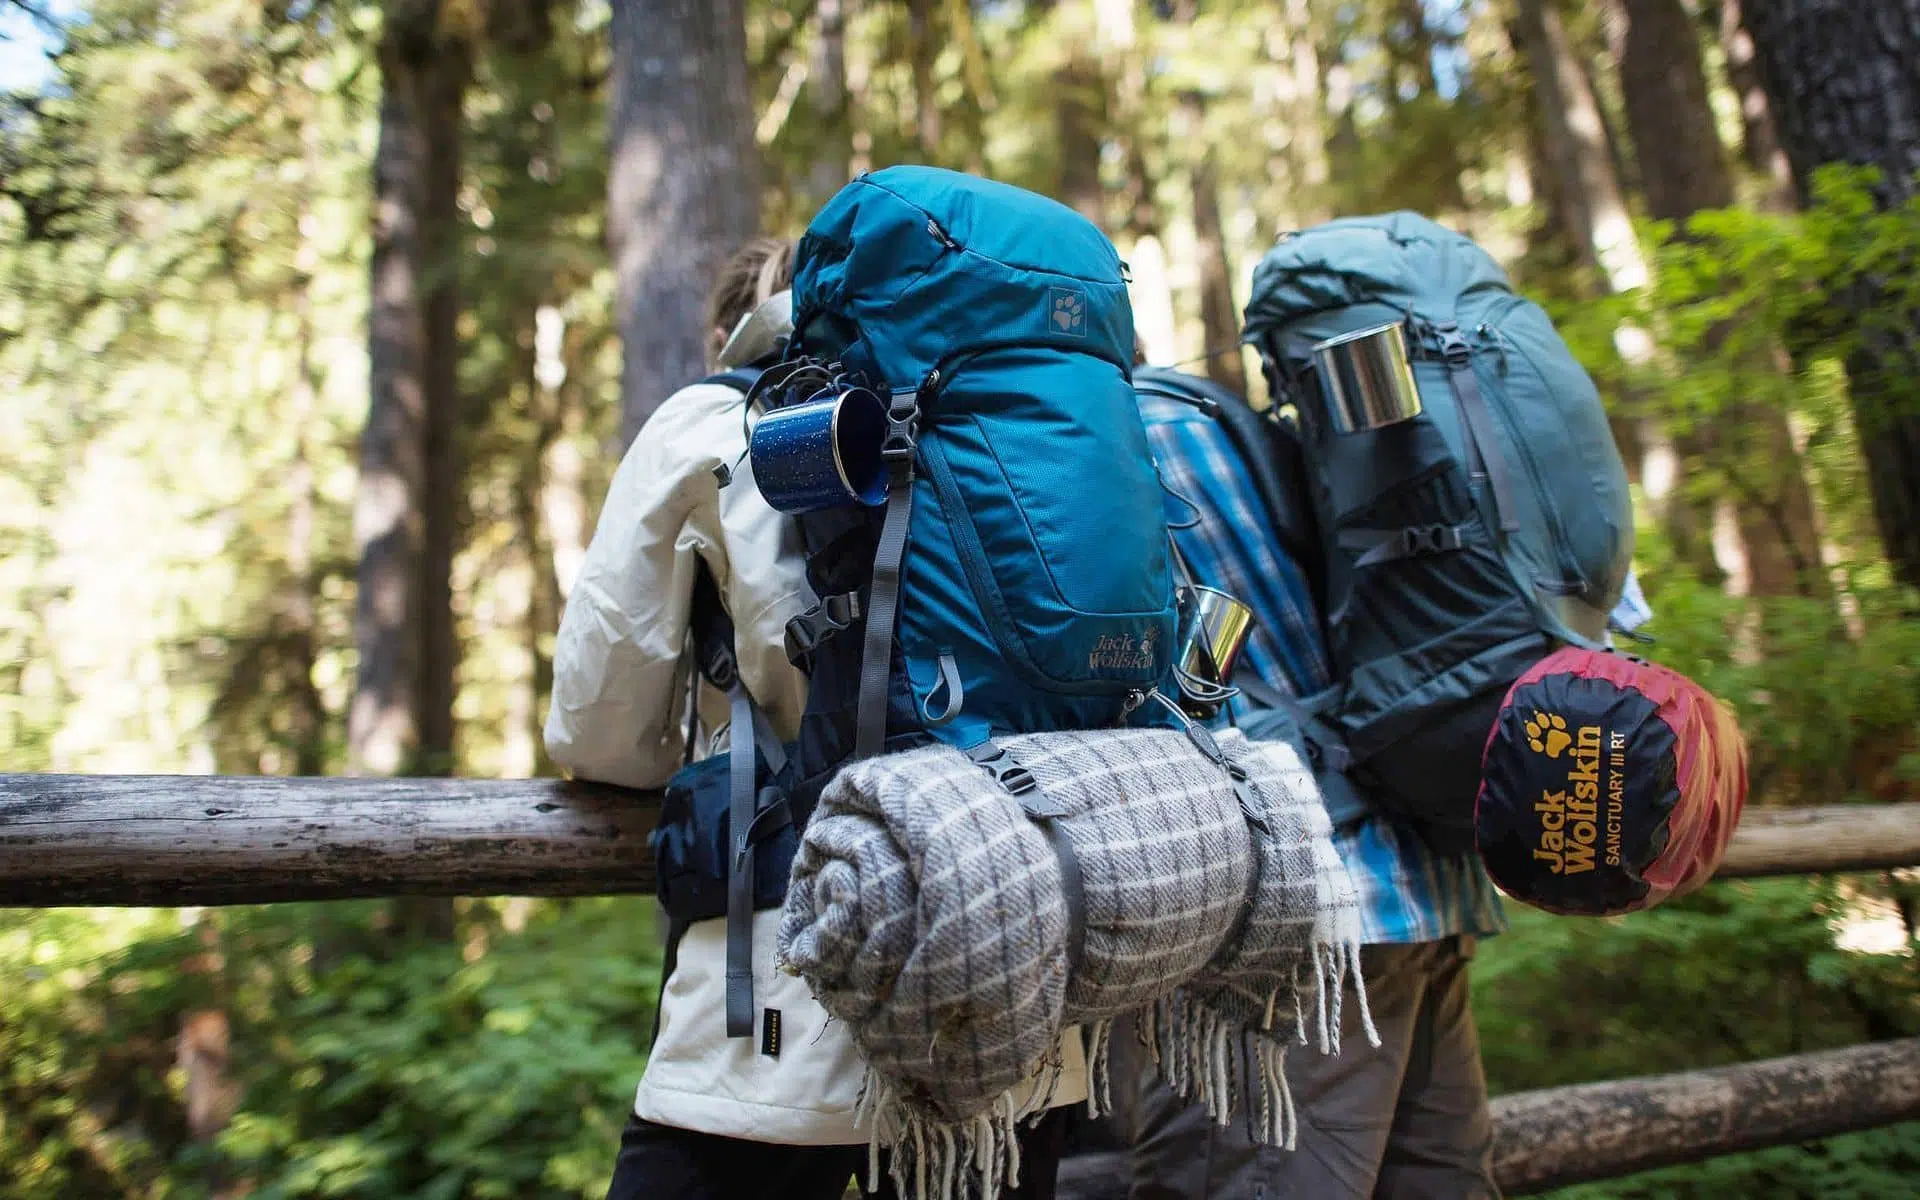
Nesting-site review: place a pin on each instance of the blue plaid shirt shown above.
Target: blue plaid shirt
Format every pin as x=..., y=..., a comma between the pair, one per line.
x=1407, y=892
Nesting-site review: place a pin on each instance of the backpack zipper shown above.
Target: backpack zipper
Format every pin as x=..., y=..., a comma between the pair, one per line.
x=1489, y=337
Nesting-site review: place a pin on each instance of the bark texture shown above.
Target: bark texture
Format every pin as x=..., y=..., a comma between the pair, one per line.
x=1565, y=1135
x=683, y=188
x=187, y=840
x=926, y=99
x=1574, y=139
x=259, y=839
x=401, y=718
x=1844, y=81
x=1683, y=170
x=1598, y=1131
x=1759, y=141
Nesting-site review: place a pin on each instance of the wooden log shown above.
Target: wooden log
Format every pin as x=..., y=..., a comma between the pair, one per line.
x=214, y=839
x=177, y=839
x=1564, y=1135
x=1836, y=837
x=1597, y=1131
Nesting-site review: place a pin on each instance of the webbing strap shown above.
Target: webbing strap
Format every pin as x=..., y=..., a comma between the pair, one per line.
x=1046, y=812
x=1323, y=741
x=740, y=866
x=1073, y=888
x=876, y=656
x=1479, y=423
x=1390, y=545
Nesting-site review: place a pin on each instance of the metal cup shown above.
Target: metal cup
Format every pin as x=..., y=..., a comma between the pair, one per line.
x=1365, y=382
x=822, y=453
x=1213, y=629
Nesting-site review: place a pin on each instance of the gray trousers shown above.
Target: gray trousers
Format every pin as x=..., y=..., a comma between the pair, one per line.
x=1407, y=1120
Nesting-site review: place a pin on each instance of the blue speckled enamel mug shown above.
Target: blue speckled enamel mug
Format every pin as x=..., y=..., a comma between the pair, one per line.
x=822, y=453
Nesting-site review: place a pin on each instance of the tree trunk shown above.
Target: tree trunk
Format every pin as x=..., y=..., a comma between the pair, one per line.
x=1759, y=142
x=1219, y=315
x=309, y=710
x=1683, y=170
x=1341, y=146
x=683, y=190
x=1410, y=46
x=926, y=99
x=1844, y=79
x=1080, y=122
x=832, y=104
x=1307, y=146
x=1575, y=140
x=401, y=717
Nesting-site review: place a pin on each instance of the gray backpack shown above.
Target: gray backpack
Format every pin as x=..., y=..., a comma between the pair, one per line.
x=1461, y=545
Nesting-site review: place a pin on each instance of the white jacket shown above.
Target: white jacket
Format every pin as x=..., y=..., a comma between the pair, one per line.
x=619, y=682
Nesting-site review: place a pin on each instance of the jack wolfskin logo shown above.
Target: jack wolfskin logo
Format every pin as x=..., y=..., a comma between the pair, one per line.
x=1067, y=311
x=1122, y=652
x=1547, y=734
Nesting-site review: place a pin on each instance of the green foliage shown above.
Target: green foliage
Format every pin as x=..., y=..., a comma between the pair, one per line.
x=371, y=1067
x=1736, y=972
x=1880, y=1164
x=183, y=288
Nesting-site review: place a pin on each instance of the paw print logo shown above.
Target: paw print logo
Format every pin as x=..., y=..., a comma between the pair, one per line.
x=1547, y=734
x=1069, y=311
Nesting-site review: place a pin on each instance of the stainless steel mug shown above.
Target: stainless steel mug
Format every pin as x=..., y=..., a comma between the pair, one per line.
x=822, y=453
x=1365, y=382
x=1213, y=629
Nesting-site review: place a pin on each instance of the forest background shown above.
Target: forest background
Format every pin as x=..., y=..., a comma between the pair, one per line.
x=312, y=318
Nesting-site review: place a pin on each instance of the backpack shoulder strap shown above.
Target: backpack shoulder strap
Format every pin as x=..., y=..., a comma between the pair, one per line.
x=1269, y=451
x=740, y=379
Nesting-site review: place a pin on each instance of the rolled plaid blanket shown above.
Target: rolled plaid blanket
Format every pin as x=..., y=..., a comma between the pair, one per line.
x=933, y=915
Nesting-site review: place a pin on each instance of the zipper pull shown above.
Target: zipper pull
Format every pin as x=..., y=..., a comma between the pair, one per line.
x=933, y=227
x=1489, y=336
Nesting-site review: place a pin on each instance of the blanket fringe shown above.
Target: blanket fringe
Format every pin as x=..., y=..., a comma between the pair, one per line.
x=1099, y=1068
x=1197, y=1047
x=932, y=1158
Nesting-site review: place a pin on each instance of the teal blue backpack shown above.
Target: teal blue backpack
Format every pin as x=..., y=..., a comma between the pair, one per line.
x=1017, y=578
x=1018, y=581
x=1462, y=545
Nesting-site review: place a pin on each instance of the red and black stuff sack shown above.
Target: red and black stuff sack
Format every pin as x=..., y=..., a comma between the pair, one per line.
x=1608, y=784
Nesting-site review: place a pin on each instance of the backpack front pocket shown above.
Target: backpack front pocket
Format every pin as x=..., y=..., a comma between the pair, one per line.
x=1057, y=521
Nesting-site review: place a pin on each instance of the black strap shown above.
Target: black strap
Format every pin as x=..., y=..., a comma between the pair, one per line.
x=752, y=817
x=740, y=379
x=740, y=867
x=1073, y=888
x=1324, y=742
x=1414, y=541
x=1269, y=452
x=876, y=656
x=712, y=630
x=1479, y=422
x=1046, y=812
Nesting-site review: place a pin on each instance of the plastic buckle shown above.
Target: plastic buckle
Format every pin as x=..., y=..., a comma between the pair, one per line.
x=1429, y=539
x=903, y=423
x=820, y=623
x=1453, y=347
x=1006, y=771
x=720, y=668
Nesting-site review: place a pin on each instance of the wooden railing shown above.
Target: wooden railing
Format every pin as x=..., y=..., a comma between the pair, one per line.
x=224, y=839
x=179, y=840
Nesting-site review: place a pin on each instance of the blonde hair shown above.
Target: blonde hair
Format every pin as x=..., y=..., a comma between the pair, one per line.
x=754, y=272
